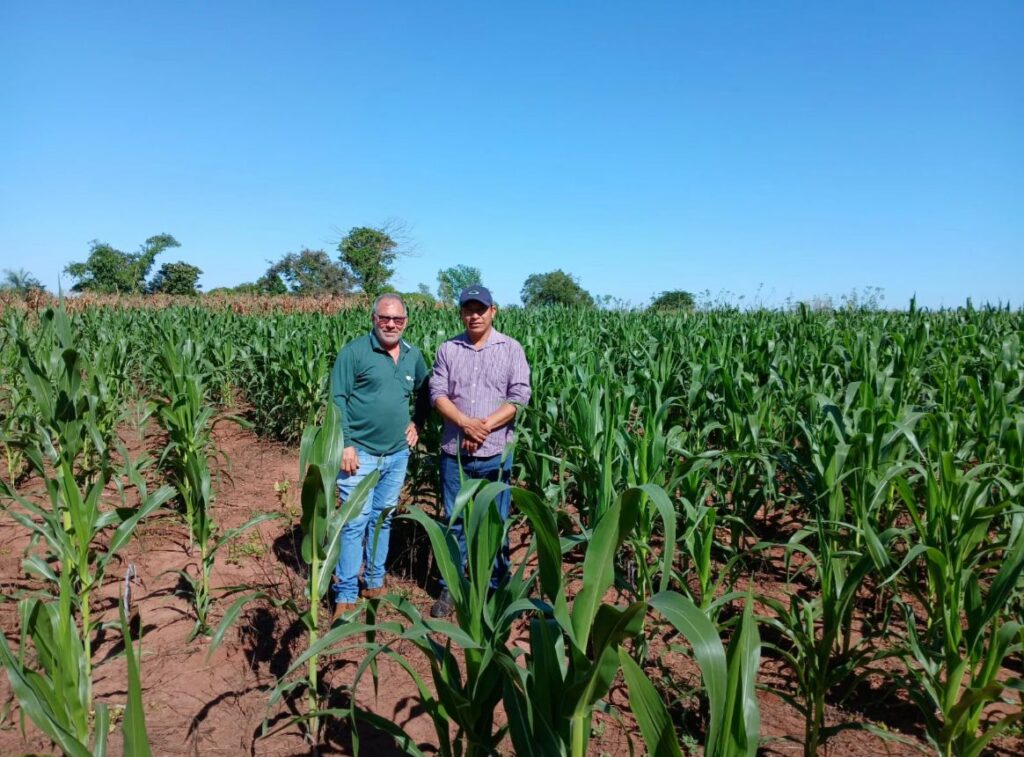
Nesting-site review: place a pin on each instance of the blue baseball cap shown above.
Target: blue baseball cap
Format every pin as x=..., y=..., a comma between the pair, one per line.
x=476, y=293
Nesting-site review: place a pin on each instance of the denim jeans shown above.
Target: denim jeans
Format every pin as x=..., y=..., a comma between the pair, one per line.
x=357, y=536
x=489, y=469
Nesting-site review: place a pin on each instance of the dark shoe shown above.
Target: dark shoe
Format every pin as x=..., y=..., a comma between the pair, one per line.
x=341, y=609
x=377, y=593
x=443, y=607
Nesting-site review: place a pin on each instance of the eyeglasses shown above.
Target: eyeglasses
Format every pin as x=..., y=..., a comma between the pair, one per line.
x=398, y=320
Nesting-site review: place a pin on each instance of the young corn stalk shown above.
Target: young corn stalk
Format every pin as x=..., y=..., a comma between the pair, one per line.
x=575, y=654
x=698, y=481
x=649, y=447
x=729, y=675
x=16, y=406
x=463, y=709
x=72, y=520
x=187, y=419
x=55, y=691
x=818, y=627
x=971, y=544
x=588, y=439
x=574, y=657
x=322, y=521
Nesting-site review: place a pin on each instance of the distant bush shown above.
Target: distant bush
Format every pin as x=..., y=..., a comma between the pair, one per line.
x=675, y=299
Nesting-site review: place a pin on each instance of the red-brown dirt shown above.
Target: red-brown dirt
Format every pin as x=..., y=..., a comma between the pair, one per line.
x=200, y=706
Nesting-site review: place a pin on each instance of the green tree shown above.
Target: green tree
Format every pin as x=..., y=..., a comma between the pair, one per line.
x=110, y=271
x=555, y=288
x=369, y=253
x=175, y=278
x=451, y=281
x=674, y=299
x=307, y=273
x=271, y=282
x=245, y=288
x=20, y=282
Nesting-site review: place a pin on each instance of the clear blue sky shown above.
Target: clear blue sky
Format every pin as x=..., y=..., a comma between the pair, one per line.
x=770, y=149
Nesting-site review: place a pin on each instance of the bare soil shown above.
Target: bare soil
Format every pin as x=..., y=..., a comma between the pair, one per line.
x=200, y=705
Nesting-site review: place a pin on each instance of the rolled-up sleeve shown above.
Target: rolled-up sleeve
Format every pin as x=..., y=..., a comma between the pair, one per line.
x=439, y=376
x=519, y=391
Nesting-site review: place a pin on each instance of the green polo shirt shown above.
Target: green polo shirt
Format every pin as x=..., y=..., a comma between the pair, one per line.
x=373, y=392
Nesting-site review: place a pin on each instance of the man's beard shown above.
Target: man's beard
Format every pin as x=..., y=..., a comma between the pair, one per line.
x=386, y=340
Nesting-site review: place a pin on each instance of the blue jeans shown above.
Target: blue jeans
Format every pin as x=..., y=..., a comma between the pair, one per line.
x=357, y=536
x=489, y=469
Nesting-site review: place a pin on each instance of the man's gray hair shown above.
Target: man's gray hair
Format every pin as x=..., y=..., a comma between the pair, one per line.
x=389, y=296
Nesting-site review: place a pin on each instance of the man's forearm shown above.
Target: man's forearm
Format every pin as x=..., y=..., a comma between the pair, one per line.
x=501, y=417
x=475, y=429
x=449, y=412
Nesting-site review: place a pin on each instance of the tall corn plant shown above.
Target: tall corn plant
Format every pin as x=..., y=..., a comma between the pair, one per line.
x=185, y=415
x=587, y=436
x=50, y=680
x=649, y=447
x=819, y=645
x=956, y=654
x=15, y=401
x=574, y=654
x=322, y=521
x=323, y=518
x=463, y=708
x=72, y=519
x=730, y=682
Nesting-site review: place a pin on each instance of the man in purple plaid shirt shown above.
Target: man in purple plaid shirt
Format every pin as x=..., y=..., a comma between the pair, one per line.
x=480, y=378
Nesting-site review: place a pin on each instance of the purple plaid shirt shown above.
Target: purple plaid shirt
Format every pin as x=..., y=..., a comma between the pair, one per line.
x=478, y=382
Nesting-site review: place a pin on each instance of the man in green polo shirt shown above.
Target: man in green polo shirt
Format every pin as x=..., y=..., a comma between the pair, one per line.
x=373, y=380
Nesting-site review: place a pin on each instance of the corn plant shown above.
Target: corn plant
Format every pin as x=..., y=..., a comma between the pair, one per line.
x=136, y=738
x=15, y=401
x=648, y=449
x=956, y=657
x=463, y=709
x=322, y=523
x=820, y=647
x=15, y=407
x=72, y=520
x=283, y=372
x=55, y=691
x=185, y=415
x=587, y=436
x=697, y=484
x=574, y=654
x=729, y=674
x=57, y=695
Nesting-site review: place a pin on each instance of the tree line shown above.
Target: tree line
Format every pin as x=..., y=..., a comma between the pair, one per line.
x=365, y=263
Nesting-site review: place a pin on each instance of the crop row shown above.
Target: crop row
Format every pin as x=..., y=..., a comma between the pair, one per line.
x=874, y=459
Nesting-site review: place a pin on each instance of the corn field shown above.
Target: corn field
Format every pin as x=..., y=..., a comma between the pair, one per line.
x=816, y=511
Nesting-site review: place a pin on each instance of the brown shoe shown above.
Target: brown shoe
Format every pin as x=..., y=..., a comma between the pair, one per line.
x=341, y=609
x=380, y=591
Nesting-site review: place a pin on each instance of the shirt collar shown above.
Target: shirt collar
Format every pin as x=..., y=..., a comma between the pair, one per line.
x=495, y=337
